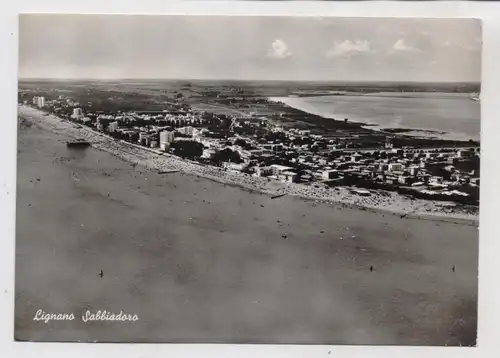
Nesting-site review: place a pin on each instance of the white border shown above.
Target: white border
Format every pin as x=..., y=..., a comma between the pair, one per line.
x=490, y=194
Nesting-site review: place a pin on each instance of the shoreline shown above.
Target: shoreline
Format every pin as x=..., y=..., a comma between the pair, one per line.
x=386, y=202
x=425, y=133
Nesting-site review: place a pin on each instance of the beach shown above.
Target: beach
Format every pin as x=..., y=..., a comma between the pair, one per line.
x=390, y=202
x=201, y=261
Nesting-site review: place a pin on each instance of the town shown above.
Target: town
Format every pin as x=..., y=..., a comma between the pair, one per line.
x=272, y=147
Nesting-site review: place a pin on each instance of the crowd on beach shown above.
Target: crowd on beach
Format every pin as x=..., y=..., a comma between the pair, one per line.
x=162, y=162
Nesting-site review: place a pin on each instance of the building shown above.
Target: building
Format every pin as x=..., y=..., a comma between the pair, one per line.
x=166, y=138
x=142, y=138
x=465, y=153
x=356, y=157
x=278, y=148
x=186, y=131
x=263, y=171
x=40, y=102
x=233, y=166
x=393, y=167
x=383, y=167
x=208, y=153
x=413, y=170
x=474, y=181
x=197, y=133
x=390, y=179
x=288, y=177
x=277, y=169
x=77, y=113
x=113, y=127
x=389, y=143
x=403, y=179
x=330, y=174
x=102, y=122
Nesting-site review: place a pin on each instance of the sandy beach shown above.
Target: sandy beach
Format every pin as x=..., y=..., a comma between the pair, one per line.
x=385, y=201
x=202, y=261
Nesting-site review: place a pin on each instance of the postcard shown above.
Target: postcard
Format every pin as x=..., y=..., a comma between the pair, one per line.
x=248, y=179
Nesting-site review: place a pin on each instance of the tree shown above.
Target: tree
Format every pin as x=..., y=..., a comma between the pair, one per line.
x=227, y=155
x=187, y=149
x=241, y=142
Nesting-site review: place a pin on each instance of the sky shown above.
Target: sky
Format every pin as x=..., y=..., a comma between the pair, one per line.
x=249, y=48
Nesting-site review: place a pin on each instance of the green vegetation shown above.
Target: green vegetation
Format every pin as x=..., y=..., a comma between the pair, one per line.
x=187, y=149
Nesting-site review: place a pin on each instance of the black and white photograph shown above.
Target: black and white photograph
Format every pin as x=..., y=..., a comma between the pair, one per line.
x=248, y=179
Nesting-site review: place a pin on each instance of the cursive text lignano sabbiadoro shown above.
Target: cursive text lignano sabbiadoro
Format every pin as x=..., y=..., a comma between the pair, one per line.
x=87, y=316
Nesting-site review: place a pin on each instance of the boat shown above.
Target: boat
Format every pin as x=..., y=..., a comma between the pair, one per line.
x=278, y=196
x=167, y=171
x=77, y=143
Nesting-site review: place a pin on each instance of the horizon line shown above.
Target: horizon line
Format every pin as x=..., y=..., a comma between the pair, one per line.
x=234, y=79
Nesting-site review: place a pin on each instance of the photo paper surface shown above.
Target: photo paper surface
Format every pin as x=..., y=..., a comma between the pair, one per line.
x=232, y=179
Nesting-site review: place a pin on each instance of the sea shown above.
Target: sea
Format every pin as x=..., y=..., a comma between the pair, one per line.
x=444, y=115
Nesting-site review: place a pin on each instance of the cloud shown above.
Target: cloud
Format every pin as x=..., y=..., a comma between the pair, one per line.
x=279, y=50
x=347, y=48
x=401, y=46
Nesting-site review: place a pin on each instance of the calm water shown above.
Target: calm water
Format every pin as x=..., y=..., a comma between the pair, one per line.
x=454, y=114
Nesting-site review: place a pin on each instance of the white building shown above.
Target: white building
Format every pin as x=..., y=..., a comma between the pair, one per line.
x=196, y=133
x=414, y=170
x=77, y=113
x=186, y=130
x=233, y=166
x=40, y=102
x=113, y=127
x=288, y=177
x=263, y=171
x=166, y=138
x=208, y=153
x=277, y=169
x=395, y=167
